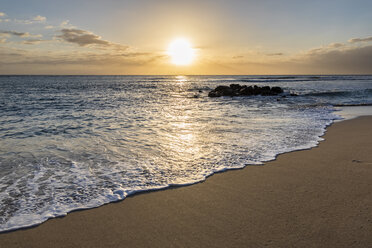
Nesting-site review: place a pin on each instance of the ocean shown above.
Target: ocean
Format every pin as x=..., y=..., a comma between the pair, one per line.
x=77, y=142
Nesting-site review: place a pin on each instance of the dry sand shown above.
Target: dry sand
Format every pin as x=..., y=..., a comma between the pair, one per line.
x=313, y=198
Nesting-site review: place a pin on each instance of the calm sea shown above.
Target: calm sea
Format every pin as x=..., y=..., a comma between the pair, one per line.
x=75, y=142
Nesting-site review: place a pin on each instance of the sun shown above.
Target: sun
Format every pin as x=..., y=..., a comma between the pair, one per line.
x=181, y=52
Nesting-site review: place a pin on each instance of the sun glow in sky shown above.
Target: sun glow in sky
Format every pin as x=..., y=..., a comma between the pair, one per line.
x=219, y=37
x=181, y=52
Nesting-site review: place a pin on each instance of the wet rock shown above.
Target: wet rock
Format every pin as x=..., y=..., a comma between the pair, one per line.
x=246, y=91
x=243, y=90
x=277, y=90
x=221, y=91
x=214, y=93
x=235, y=87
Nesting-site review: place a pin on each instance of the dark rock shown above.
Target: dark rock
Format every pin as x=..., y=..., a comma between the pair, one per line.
x=227, y=92
x=214, y=93
x=265, y=91
x=243, y=90
x=221, y=88
x=222, y=91
x=235, y=87
x=277, y=90
x=246, y=91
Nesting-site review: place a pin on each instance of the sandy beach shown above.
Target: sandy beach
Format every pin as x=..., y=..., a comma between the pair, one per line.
x=320, y=197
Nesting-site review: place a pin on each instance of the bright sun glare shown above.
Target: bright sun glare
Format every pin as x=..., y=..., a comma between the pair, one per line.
x=181, y=52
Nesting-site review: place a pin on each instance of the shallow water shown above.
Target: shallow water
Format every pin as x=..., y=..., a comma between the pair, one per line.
x=73, y=142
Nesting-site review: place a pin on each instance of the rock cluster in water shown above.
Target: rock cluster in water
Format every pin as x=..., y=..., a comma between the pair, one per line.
x=243, y=90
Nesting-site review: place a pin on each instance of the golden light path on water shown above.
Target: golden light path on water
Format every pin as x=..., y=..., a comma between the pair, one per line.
x=186, y=139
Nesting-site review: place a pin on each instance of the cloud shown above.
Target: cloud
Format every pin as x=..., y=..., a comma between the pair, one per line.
x=355, y=40
x=330, y=47
x=2, y=14
x=274, y=54
x=13, y=56
x=19, y=34
x=2, y=41
x=335, y=58
x=65, y=23
x=343, y=60
x=82, y=37
x=39, y=18
x=335, y=45
x=85, y=38
x=10, y=55
x=49, y=27
x=15, y=33
x=32, y=41
x=36, y=19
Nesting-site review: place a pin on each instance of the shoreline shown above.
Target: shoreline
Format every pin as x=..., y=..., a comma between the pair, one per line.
x=352, y=112
x=95, y=222
x=173, y=186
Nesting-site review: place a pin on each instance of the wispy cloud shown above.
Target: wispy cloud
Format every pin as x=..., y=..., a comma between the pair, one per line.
x=36, y=19
x=16, y=57
x=2, y=15
x=19, y=34
x=335, y=45
x=339, y=58
x=82, y=37
x=39, y=18
x=335, y=58
x=346, y=60
x=86, y=38
x=355, y=40
x=274, y=54
x=15, y=33
x=32, y=41
x=90, y=53
x=65, y=23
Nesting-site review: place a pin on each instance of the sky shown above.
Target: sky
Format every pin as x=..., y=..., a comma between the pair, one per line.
x=131, y=37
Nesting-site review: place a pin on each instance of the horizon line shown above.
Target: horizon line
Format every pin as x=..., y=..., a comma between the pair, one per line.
x=355, y=74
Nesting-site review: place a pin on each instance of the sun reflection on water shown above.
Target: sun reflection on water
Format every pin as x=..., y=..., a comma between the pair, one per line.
x=181, y=79
x=184, y=134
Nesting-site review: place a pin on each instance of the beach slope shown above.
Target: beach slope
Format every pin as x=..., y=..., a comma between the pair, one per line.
x=320, y=197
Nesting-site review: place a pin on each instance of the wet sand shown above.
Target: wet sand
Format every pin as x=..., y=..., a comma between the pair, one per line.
x=320, y=197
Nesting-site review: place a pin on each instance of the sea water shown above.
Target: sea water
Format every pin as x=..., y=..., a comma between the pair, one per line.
x=75, y=142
